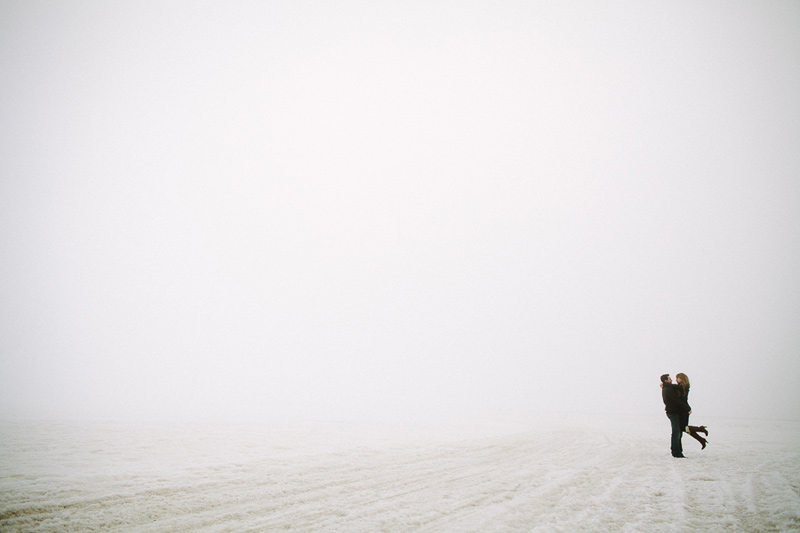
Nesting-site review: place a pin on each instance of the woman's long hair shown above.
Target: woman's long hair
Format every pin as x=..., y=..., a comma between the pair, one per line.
x=684, y=382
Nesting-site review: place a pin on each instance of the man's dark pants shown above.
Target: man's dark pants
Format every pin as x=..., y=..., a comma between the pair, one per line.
x=677, y=433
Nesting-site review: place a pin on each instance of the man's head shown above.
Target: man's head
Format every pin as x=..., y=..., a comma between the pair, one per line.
x=666, y=379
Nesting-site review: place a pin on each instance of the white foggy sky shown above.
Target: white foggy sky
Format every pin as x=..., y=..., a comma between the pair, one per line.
x=381, y=209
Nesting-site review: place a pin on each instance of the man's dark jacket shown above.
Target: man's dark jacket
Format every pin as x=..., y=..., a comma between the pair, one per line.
x=674, y=402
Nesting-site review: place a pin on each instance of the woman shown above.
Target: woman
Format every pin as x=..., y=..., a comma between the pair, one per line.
x=683, y=382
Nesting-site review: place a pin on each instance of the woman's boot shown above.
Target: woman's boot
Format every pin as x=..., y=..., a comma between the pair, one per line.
x=693, y=431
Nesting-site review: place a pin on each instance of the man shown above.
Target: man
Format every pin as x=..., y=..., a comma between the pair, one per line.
x=676, y=406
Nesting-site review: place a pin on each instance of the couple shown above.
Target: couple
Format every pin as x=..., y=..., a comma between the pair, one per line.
x=676, y=402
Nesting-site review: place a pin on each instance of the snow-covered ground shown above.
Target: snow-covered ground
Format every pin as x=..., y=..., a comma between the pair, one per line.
x=494, y=474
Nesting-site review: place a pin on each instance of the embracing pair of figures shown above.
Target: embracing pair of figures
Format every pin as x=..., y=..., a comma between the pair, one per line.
x=676, y=402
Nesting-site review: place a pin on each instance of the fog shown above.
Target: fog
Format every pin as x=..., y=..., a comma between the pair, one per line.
x=398, y=210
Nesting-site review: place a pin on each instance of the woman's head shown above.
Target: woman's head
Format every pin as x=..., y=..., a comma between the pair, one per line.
x=682, y=379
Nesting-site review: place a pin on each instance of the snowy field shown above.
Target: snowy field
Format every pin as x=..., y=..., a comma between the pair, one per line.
x=493, y=474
